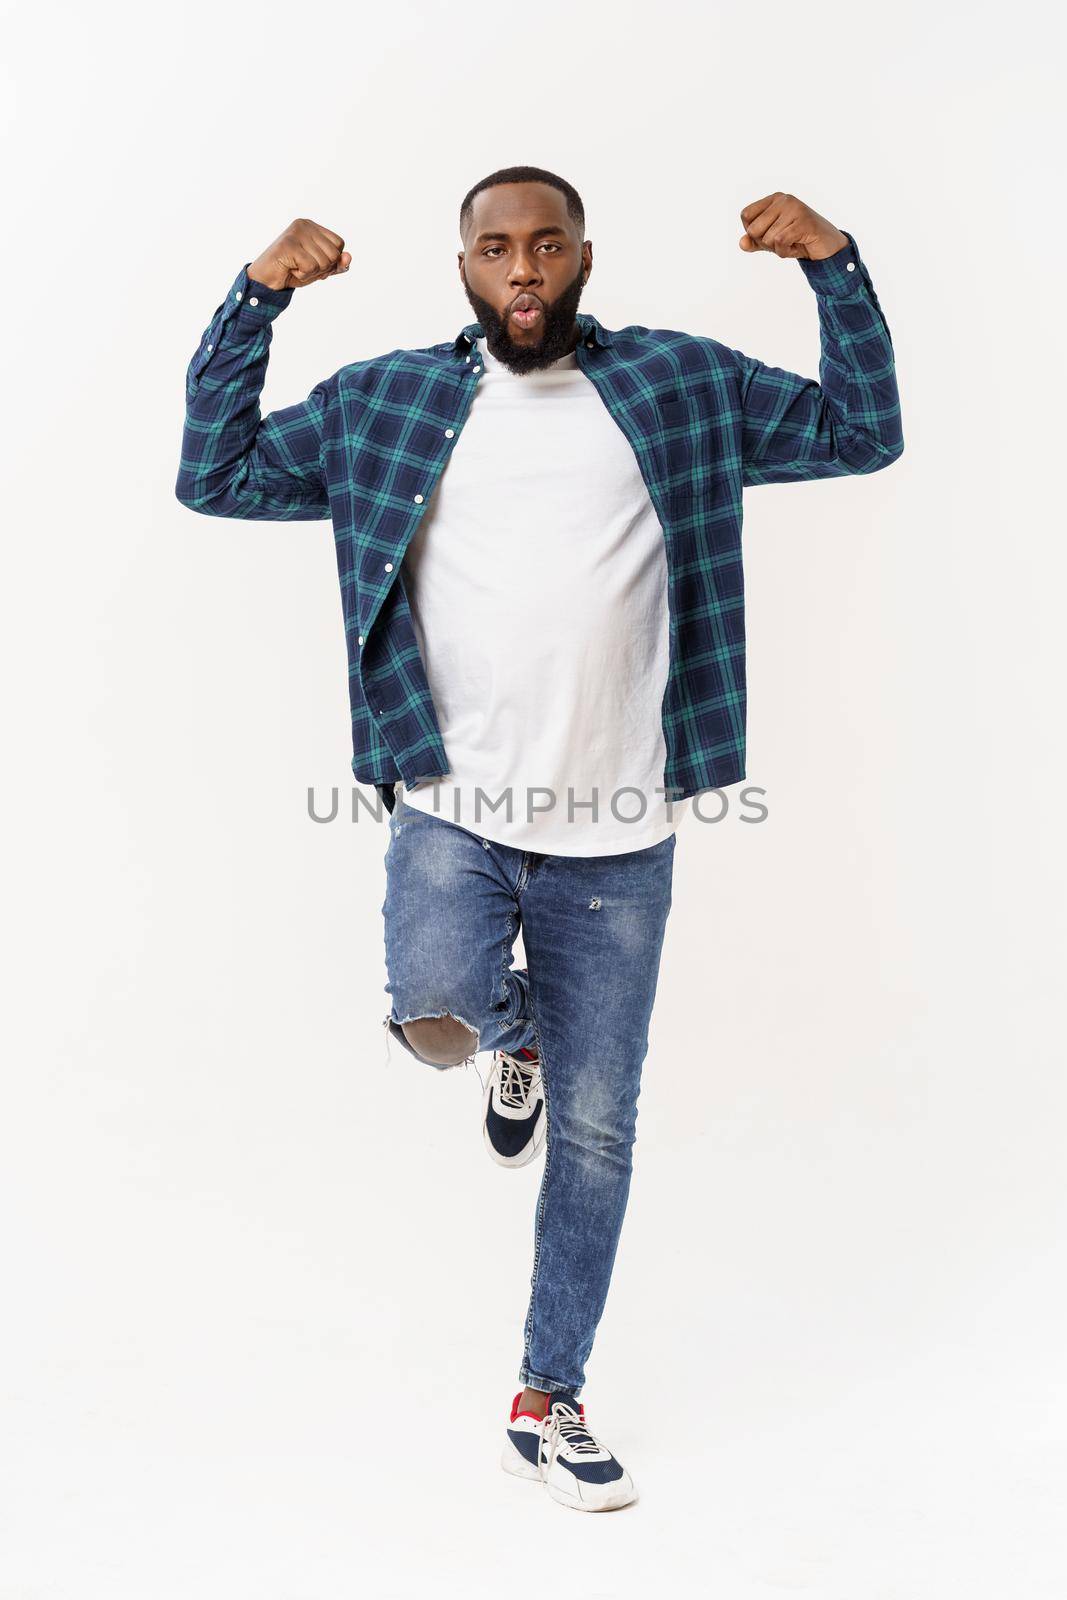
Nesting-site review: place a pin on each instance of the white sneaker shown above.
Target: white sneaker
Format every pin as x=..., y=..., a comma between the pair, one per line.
x=560, y=1451
x=514, y=1119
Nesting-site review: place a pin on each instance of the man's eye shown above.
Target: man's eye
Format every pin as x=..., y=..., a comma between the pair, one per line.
x=548, y=245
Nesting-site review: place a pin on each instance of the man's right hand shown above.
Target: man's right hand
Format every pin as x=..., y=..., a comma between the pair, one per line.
x=303, y=254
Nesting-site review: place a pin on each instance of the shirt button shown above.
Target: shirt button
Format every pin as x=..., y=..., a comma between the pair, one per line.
x=239, y=295
x=360, y=639
x=253, y=301
x=388, y=566
x=850, y=266
x=476, y=369
x=466, y=358
x=450, y=433
x=211, y=347
x=418, y=499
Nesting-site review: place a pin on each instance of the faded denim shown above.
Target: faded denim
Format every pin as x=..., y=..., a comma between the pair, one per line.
x=593, y=929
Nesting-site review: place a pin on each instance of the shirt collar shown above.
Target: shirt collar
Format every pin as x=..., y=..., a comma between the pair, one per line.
x=592, y=332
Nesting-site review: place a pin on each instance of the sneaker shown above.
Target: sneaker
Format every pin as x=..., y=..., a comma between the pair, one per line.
x=513, y=1106
x=575, y=1468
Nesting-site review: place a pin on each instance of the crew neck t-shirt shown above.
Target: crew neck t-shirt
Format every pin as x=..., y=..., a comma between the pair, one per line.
x=537, y=581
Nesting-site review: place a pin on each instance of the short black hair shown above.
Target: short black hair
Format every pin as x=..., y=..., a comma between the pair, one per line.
x=575, y=209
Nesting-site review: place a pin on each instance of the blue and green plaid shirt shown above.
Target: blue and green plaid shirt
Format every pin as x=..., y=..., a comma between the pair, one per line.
x=369, y=444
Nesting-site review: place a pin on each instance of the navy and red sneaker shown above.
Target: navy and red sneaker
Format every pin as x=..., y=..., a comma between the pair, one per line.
x=561, y=1452
x=514, y=1116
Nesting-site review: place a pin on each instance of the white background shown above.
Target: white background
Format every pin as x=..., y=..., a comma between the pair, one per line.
x=264, y=1292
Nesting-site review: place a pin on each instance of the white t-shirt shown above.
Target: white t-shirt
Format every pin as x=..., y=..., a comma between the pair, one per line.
x=538, y=586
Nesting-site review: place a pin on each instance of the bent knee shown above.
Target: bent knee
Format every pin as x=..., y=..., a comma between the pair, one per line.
x=443, y=1040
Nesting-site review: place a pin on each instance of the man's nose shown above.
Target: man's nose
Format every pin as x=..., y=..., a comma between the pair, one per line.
x=523, y=271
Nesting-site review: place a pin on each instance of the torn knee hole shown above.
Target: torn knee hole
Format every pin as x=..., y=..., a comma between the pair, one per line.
x=444, y=1038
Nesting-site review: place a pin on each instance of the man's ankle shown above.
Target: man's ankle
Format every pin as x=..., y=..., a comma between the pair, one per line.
x=535, y=1400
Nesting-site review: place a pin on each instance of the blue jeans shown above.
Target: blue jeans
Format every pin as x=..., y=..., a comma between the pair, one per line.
x=593, y=930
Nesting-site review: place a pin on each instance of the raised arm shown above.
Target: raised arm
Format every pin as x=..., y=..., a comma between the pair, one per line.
x=796, y=428
x=233, y=462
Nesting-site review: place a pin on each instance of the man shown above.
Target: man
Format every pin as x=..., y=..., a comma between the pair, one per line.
x=538, y=535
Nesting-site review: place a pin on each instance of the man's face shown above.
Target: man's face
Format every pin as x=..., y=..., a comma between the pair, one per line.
x=523, y=269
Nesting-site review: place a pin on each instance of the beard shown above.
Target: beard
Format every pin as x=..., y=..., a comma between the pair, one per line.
x=557, y=329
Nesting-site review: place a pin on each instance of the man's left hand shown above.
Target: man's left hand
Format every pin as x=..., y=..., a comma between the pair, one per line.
x=784, y=224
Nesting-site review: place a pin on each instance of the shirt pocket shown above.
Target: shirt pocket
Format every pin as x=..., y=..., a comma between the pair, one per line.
x=687, y=426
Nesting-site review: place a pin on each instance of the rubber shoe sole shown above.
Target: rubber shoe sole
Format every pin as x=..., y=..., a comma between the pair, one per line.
x=514, y=1462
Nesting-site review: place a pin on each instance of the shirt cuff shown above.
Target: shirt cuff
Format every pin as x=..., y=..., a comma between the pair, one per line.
x=839, y=274
x=247, y=305
x=251, y=297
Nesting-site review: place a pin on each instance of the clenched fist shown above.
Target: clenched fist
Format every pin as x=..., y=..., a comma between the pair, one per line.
x=784, y=224
x=303, y=254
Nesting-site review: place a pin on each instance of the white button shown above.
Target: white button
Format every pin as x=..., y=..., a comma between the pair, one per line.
x=466, y=358
x=850, y=266
x=253, y=301
x=238, y=294
x=388, y=566
x=360, y=639
x=418, y=499
x=476, y=369
x=211, y=347
x=450, y=433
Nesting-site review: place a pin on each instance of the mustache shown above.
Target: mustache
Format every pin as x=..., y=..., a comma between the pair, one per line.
x=557, y=326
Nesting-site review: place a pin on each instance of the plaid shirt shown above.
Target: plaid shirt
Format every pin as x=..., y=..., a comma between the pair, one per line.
x=368, y=445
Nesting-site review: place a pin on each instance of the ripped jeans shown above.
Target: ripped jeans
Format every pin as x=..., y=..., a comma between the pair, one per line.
x=592, y=929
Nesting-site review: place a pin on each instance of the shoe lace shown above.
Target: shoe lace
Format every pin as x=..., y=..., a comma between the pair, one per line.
x=563, y=1425
x=517, y=1079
